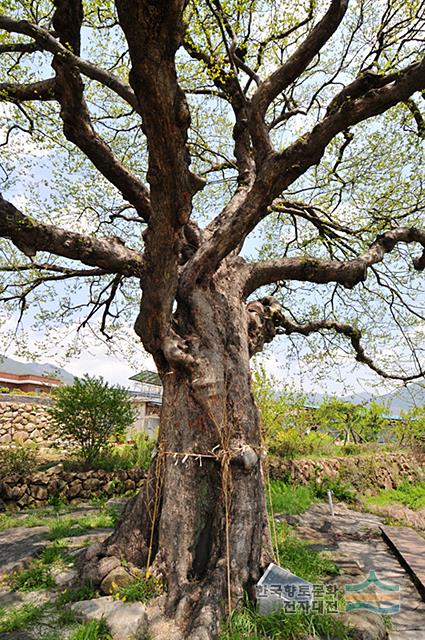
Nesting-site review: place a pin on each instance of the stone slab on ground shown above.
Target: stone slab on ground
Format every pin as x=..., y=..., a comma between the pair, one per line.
x=356, y=544
x=161, y=627
x=9, y=598
x=409, y=548
x=16, y=635
x=126, y=621
x=19, y=545
x=89, y=537
x=367, y=625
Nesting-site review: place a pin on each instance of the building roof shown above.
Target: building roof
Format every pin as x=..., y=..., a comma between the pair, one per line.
x=29, y=378
x=149, y=377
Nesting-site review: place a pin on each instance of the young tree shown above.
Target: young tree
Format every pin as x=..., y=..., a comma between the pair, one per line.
x=268, y=103
x=90, y=413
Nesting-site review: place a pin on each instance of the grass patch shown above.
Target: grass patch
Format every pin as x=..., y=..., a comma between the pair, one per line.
x=341, y=490
x=142, y=590
x=289, y=498
x=296, y=556
x=93, y=630
x=68, y=526
x=247, y=624
x=9, y=520
x=86, y=592
x=56, y=553
x=292, y=499
x=35, y=578
x=50, y=517
x=20, y=617
x=407, y=494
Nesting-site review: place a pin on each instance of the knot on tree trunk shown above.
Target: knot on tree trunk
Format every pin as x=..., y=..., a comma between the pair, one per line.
x=264, y=318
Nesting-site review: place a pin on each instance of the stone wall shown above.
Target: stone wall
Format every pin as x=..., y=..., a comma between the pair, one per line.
x=368, y=472
x=20, y=492
x=25, y=419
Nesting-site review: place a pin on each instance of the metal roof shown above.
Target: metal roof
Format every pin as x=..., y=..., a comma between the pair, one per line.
x=149, y=377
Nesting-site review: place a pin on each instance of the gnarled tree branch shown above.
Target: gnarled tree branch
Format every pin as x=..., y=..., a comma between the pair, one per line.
x=109, y=254
x=347, y=273
x=290, y=71
x=41, y=90
x=280, y=170
x=266, y=320
x=47, y=42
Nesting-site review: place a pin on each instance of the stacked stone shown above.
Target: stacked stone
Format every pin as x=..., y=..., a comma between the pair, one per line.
x=25, y=422
x=20, y=492
x=381, y=471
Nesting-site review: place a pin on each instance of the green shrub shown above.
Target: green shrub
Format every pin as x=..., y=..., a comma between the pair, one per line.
x=340, y=490
x=137, y=454
x=410, y=430
x=142, y=450
x=18, y=458
x=91, y=414
x=290, y=443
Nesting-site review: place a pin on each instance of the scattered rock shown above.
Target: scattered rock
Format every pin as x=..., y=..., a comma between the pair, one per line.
x=39, y=493
x=125, y=620
x=92, y=551
x=118, y=577
x=365, y=625
x=65, y=578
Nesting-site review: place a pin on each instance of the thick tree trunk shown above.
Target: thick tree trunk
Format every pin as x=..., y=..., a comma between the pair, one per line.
x=201, y=519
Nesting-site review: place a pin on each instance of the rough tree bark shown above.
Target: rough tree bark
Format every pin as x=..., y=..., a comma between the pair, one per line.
x=201, y=519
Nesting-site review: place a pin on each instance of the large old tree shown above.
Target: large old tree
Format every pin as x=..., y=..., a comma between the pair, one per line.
x=183, y=126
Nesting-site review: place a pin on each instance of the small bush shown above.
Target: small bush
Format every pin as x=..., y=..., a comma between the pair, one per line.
x=340, y=490
x=138, y=455
x=291, y=443
x=19, y=458
x=91, y=414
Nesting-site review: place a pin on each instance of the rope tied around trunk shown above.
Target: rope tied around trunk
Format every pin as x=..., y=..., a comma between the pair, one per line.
x=224, y=456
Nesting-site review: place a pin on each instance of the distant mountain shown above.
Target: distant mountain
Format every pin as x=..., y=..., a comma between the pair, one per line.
x=8, y=365
x=413, y=395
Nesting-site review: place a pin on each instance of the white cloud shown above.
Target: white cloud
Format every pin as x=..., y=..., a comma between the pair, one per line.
x=79, y=353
